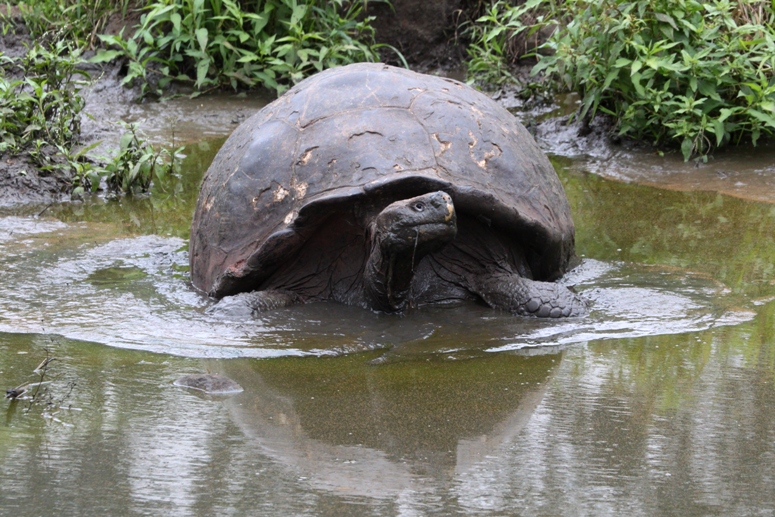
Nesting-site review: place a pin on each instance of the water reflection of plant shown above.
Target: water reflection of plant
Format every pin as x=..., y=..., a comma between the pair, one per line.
x=726, y=237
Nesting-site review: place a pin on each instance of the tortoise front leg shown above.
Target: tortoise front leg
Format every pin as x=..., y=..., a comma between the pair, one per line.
x=244, y=305
x=522, y=296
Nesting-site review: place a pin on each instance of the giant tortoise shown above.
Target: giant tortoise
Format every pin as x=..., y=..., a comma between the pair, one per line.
x=384, y=188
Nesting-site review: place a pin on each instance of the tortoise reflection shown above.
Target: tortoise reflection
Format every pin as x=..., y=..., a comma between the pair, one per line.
x=372, y=430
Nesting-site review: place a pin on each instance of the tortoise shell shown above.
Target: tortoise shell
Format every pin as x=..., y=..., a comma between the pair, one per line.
x=370, y=130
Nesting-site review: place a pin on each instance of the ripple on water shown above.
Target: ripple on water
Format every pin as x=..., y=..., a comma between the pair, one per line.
x=134, y=293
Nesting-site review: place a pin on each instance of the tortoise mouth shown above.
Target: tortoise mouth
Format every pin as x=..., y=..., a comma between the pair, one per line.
x=546, y=249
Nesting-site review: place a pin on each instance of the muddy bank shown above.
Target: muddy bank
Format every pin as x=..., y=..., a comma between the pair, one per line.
x=742, y=171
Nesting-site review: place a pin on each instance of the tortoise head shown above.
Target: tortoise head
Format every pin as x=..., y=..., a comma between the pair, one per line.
x=402, y=234
x=418, y=225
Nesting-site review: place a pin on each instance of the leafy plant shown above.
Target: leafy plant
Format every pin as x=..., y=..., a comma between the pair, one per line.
x=491, y=34
x=696, y=74
x=137, y=164
x=76, y=20
x=270, y=43
x=132, y=170
x=43, y=106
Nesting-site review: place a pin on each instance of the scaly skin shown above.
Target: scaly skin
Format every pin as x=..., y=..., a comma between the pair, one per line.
x=402, y=234
x=527, y=297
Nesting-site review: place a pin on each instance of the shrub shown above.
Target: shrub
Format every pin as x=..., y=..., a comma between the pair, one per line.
x=491, y=36
x=697, y=74
x=270, y=43
x=43, y=106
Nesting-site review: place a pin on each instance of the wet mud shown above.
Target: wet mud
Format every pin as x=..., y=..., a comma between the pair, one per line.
x=744, y=171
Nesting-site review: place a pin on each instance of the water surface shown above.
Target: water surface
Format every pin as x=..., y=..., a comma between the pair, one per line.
x=657, y=403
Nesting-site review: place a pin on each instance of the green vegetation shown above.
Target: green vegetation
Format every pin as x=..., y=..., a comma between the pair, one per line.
x=699, y=74
x=491, y=50
x=78, y=21
x=40, y=118
x=693, y=74
x=270, y=43
x=40, y=108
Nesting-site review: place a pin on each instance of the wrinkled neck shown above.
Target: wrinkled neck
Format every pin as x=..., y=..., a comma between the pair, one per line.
x=388, y=275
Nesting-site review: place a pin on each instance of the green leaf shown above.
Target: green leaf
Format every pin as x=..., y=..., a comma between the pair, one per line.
x=613, y=74
x=725, y=114
x=767, y=119
x=201, y=36
x=667, y=19
x=94, y=180
x=686, y=148
x=718, y=129
x=248, y=57
x=638, y=87
x=298, y=13
x=709, y=90
x=103, y=56
x=201, y=72
x=126, y=139
x=175, y=19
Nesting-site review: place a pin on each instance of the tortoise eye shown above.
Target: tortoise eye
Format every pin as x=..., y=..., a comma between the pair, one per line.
x=419, y=206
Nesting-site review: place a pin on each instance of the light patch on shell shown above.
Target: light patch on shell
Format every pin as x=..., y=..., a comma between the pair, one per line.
x=479, y=115
x=280, y=193
x=299, y=188
x=290, y=217
x=489, y=155
x=442, y=144
x=305, y=158
x=209, y=204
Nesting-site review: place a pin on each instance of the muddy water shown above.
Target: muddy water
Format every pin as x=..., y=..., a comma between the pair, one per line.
x=657, y=403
